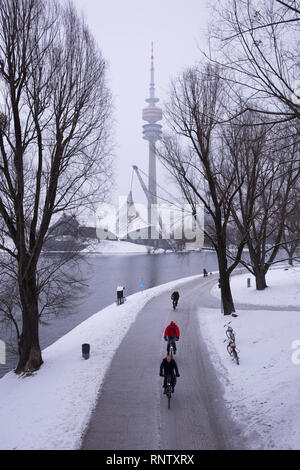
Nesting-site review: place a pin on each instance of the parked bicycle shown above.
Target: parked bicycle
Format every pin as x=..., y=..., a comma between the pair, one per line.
x=229, y=332
x=233, y=351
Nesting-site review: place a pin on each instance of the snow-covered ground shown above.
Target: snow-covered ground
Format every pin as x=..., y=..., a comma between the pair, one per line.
x=283, y=288
x=50, y=409
x=117, y=247
x=263, y=392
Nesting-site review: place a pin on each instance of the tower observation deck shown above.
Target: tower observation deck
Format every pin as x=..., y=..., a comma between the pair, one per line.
x=152, y=132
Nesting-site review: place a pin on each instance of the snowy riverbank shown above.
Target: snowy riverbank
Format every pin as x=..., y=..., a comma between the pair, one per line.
x=123, y=247
x=116, y=247
x=262, y=393
x=51, y=409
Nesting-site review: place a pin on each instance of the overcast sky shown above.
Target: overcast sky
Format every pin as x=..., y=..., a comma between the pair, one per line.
x=124, y=30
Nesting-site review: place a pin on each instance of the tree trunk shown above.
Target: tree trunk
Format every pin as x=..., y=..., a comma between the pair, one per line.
x=260, y=279
x=290, y=252
x=30, y=357
x=226, y=296
x=227, y=300
x=258, y=267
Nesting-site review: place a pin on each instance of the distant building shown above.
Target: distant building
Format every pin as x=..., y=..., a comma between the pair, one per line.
x=68, y=235
x=67, y=225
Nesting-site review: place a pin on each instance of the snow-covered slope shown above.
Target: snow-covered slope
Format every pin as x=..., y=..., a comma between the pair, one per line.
x=283, y=288
x=262, y=393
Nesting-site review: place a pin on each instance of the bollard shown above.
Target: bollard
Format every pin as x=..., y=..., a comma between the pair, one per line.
x=85, y=351
x=248, y=282
x=2, y=353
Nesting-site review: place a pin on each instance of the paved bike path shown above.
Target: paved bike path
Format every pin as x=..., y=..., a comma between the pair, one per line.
x=132, y=412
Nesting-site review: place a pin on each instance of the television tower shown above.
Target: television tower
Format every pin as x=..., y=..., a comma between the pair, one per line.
x=152, y=132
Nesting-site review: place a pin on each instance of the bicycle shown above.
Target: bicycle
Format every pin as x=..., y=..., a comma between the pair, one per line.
x=229, y=332
x=168, y=389
x=170, y=348
x=232, y=351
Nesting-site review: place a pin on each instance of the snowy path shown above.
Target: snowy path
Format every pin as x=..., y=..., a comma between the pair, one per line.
x=52, y=408
x=132, y=412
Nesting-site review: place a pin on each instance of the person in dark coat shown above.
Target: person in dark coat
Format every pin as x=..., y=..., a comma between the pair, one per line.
x=120, y=294
x=169, y=367
x=175, y=297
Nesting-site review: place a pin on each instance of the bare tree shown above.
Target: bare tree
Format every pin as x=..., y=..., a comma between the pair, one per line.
x=54, y=139
x=196, y=105
x=294, y=7
x=291, y=232
x=263, y=204
x=258, y=42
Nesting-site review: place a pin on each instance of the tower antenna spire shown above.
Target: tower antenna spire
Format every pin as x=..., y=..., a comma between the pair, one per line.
x=152, y=85
x=152, y=56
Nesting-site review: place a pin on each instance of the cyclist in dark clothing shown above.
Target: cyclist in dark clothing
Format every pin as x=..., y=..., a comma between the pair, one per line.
x=175, y=297
x=167, y=367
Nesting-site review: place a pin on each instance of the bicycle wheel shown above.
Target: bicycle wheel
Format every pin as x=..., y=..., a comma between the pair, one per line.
x=169, y=390
x=169, y=395
x=236, y=357
x=229, y=350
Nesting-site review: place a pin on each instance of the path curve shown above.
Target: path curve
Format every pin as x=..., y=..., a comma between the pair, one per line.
x=132, y=412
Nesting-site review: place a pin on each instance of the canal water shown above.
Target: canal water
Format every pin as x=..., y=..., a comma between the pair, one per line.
x=103, y=273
